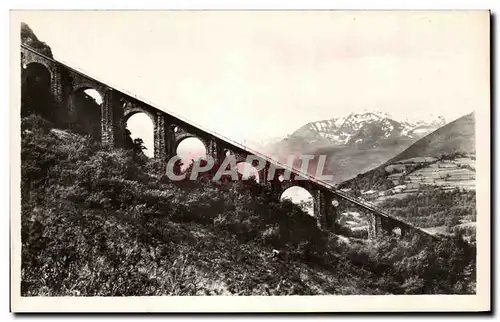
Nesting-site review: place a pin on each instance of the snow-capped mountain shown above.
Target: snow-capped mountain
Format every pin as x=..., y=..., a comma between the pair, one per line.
x=372, y=128
x=419, y=128
x=356, y=142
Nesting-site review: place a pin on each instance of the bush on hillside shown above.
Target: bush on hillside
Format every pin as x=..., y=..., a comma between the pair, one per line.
x=103, y=222
x=434, y=207
x=419, y=266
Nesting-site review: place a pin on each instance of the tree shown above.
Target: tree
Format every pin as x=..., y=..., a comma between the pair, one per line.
x=452, y=221
x=139, y=145
x=305, y=205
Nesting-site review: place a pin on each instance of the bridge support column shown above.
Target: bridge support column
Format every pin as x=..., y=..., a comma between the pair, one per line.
x=160, y=137
x=322, y=205
x=56, y=87
x=212, y=149
x=274, y=184
x=404, y=232
x=218, y=153
x=263, y=174
x=332, y=214
x=119, y=128
x=107, y=119
x=375, y=226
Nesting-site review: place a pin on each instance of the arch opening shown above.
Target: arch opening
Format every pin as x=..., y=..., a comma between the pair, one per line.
x=190, y=149
x=140, y=133
x=36, y=96
x=396, y=232
x=299, y=196
x=335, y=203
x=85, y=112
x=246, y=171
x=94, y=95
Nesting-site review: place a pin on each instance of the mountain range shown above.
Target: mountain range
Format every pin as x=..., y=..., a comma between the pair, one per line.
x=354, y=143
x=369, y=128
x=431, y=184
x=455, y=141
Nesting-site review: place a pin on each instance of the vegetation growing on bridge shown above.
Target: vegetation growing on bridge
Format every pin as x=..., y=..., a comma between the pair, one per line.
x=103, y=222
x=29, y=38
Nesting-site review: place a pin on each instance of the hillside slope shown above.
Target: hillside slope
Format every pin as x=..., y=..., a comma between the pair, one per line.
x=431, y=184
x=455, y=140
x=455, y=137
x=106, y=222
x=101, y=222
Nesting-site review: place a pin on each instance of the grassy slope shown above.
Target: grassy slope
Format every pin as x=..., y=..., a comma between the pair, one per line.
x=94, y=223
x=109, y=255
x=456, y=136
x=447, y=174
x=345, y=163
x=103, y=222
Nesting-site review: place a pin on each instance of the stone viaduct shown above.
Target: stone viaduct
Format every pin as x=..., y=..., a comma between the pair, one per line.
x=117, y=107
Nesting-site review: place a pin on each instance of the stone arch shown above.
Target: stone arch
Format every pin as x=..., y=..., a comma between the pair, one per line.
x=36, y=94
x=83, y=86
x=299, y=194
x=28, y=58
x=79, y=81
x=180, y=134
x=286, y=184
x=227, y=152
x=241, y=157
x=84, y=105
x=130, y=109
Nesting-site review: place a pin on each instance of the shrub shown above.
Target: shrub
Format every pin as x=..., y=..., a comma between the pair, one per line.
x=105, y=222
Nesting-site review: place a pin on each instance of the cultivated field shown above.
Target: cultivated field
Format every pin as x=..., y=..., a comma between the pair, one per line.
x=414, y=176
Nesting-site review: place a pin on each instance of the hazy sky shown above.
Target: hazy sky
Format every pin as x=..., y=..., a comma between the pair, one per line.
x=255, y=75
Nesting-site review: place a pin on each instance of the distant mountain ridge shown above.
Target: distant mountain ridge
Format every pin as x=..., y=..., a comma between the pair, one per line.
x=431, y=184
x=455, y=138
x=365, y=128
x=354, y=143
